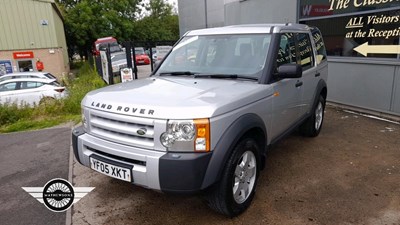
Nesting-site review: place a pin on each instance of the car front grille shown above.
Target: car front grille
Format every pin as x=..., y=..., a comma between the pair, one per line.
x=129, y=130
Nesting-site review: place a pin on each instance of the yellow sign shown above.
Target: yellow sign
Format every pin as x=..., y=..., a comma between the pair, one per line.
x=366, y=49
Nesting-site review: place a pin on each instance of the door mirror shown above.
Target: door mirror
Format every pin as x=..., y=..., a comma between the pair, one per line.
x=290, y=71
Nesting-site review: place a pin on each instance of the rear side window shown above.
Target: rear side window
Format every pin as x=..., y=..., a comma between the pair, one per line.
x=306, y=51
x=319, y=43
x=55, y=83
x=30, y=84
x=50, y=76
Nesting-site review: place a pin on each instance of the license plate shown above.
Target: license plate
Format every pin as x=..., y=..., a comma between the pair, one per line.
x=141, y=61
x=112, y=170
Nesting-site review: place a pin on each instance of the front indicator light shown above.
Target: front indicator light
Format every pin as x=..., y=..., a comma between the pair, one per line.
x=202, y=140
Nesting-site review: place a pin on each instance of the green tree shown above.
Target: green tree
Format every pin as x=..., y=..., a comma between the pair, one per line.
x=159, y=24
x=87, y=20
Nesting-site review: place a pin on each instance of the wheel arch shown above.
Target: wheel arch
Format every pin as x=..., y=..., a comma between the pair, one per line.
x=248, y=125
x=321, y=90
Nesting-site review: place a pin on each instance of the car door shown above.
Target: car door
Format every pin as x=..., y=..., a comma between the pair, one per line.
x=30, y=92
x=288, y=92
x=9, y=92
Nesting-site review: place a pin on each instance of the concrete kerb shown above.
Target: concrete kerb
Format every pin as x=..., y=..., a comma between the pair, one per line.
x=68, y=219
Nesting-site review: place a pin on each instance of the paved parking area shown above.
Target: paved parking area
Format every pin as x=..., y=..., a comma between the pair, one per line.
x=350, y=174
x=31, y=159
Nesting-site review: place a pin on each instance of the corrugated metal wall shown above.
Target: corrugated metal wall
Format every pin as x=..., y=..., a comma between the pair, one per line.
x=60, y=35
x=21, y=25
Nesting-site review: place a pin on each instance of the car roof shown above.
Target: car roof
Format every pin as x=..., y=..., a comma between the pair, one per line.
x=249, y=29
x=43, y=80
x=25, y=73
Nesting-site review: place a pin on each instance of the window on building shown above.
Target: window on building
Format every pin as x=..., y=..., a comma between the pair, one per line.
x=354, y=29
x=25, y=65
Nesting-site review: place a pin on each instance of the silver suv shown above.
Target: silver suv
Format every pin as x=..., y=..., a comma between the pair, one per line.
x=204, y=120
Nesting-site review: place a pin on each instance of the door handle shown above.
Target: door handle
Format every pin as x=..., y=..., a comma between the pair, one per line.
x=317, y=74
x=299, y=83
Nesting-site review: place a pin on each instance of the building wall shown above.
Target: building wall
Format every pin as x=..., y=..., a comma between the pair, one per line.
x=368, y=85
x=260, y=11
x=197, y=14
x=52, y=58
x=191, y=15
x=34, y=26
x=21, y=25
x=61, y=41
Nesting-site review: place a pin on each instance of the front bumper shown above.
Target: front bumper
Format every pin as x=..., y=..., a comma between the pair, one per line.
x=167, y=172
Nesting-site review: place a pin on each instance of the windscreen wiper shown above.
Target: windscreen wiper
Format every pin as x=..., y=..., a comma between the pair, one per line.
x=178, y=73
x=228, y=76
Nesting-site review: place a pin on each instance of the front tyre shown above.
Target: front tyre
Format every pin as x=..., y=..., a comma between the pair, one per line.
x=234, y=193
x=312, y=126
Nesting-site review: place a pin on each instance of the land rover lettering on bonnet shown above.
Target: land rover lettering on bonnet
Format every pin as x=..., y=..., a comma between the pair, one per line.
x=122, y=108
x=206, y=117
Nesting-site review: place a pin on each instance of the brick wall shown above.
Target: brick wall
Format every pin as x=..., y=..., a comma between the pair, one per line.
x=52, y=59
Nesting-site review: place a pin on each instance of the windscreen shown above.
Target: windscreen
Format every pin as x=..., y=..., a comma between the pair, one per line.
x=139, y=51
x=118, y=57
x=240, y=54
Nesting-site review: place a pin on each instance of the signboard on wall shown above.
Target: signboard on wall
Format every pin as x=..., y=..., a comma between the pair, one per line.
x=357, y=28
x=23, y=55
x=315, y=8
x=5, y=67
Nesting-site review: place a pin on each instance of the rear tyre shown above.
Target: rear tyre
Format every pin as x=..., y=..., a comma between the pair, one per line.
x=233, y=194
x=312, y=126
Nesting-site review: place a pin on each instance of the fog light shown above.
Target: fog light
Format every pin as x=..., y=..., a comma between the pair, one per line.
x=167, y=140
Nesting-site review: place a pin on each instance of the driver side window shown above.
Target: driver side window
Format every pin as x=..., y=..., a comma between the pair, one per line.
x=287, y=50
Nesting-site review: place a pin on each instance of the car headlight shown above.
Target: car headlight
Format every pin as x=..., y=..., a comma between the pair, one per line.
x=187, y=135
x=84, y=120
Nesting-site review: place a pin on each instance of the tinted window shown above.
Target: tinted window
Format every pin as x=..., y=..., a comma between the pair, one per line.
x=114, y=47
x=55, y=83
x=287, y=50
x=305, y=50
x=30, y=84
x=5, y=78
x=50, y=76
x=8, y=87
x=139, y=51
x=319, y=44
x=118, y=57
